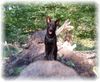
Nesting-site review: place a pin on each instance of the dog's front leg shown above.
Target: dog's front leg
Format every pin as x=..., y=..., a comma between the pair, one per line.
x=46, y=52
x=46, y=49
x=54, y=52
x=55, y=56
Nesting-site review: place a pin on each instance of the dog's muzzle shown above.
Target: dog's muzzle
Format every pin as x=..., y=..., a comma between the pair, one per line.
x=50, y=32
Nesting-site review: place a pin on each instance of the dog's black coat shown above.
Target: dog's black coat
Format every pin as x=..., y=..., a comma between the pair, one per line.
x=51, y=40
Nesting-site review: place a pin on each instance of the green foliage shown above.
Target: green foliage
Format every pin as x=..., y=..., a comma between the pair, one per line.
x=85, y=44
x=17, y=70
x=21, y=19
x=9, y=50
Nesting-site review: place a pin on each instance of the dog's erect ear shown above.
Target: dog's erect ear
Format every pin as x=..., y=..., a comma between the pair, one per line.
x=48, y=19
x=57, y=22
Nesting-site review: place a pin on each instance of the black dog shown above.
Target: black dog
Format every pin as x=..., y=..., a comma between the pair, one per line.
x=51, y=40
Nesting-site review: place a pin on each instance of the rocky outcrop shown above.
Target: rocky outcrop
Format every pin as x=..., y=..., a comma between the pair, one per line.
x=47, y=69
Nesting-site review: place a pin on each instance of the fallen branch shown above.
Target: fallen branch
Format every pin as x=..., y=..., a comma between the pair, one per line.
x=65, y=27
x=83, y=62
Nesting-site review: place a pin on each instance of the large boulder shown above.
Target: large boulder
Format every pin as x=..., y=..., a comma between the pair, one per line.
x=47, y=69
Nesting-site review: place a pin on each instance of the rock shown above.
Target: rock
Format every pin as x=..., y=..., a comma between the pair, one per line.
x=47, y=69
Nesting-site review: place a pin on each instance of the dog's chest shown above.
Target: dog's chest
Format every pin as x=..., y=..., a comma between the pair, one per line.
x=50, y=41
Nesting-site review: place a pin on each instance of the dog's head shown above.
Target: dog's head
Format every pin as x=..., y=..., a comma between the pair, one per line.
x=51, y=26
